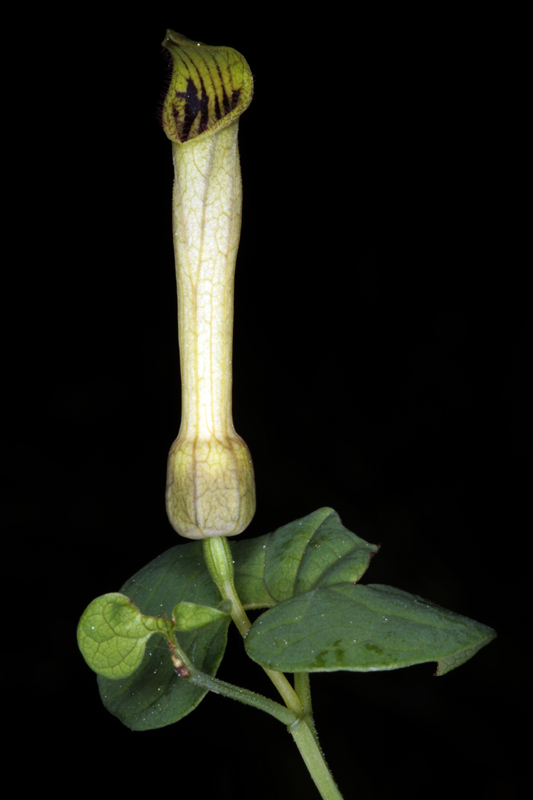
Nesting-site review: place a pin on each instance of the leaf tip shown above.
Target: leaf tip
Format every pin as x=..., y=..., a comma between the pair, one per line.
x=450, y=663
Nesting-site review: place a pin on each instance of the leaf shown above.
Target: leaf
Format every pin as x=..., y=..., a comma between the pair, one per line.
x=154, y=696
x=362, y=628
x=314, y=551
x=112, y=635
x=191, y=616
x=311, y=552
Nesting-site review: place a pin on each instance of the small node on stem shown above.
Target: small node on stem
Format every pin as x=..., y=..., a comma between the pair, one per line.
x=182, y=672
x=179, y=667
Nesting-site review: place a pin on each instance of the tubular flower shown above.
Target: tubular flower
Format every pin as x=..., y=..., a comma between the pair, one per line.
x=210, y=480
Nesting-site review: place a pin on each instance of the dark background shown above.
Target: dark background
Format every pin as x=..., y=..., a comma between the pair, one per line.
x=379, y=368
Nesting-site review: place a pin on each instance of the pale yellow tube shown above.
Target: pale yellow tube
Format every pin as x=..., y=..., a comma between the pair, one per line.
x=210, y=480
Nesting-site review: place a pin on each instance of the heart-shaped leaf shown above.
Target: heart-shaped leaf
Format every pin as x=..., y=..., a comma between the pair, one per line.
x=112, y=635
x=362, y=628
x=154, y=695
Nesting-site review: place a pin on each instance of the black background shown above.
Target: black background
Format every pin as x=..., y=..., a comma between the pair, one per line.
x=379, y=368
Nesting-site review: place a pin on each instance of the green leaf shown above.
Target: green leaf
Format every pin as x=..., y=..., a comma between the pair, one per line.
x=315, y=551
x=191, y=616
x=112, y=635
x=362, y=628
x=154, y=695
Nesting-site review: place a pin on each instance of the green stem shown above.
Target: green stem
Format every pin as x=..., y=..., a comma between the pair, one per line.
x=303, y=733
x=303, y=690
x=301, y=728
x=199, y=678
x=276, y=710
x=219, y=562
x=217, y=554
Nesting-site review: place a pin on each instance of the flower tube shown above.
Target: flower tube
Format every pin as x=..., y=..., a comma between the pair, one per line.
x=210, y=480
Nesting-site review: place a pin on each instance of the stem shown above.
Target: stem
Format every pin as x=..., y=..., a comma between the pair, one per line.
x=276, y=710
x=303, y=690
x=302, y=732
x=219, y=562
x=198, y=678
